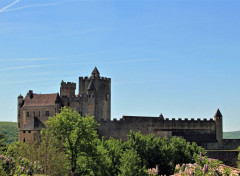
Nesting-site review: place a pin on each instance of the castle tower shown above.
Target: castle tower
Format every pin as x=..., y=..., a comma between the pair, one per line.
x=98, y=91
x=219, y=128
x=67, y=89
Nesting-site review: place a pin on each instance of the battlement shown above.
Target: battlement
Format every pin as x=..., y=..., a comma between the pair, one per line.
x=67, y=89
x=89, y=78
x=139, y=118
x=68, y=84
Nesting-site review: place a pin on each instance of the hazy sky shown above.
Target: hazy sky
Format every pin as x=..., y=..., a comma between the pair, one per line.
x=179, y=58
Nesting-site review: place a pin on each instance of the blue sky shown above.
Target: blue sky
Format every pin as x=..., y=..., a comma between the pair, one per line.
x=179, y=58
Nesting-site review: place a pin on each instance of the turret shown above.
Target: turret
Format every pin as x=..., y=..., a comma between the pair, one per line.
x=67, y=89
x=219, y=128
x=20, y=101
x=95, y=73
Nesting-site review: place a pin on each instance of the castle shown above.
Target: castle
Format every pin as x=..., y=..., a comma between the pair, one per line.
x=94, y=98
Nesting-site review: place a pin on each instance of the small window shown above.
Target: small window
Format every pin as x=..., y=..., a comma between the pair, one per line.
x=34, y=114
x=24, y=140
x=23, y=131
x=68, y=104
x=107, y=97
x=29, y=131
x=47, y=113
x=27, y=114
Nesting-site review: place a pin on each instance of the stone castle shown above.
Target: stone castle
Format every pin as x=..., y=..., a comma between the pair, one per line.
x=94, y=98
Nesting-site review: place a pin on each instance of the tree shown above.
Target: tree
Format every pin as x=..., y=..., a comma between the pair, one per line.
x=115, y=149
x=3, y=146
x=131, y=164
x=77, y=134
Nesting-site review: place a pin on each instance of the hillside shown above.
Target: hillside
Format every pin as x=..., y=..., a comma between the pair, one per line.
x=9, y=129
x=231, y=135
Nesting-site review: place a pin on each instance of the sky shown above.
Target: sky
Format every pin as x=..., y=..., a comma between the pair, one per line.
x=175, y=57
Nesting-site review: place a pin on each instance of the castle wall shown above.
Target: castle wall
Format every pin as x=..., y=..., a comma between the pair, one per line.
x=199, y=131
x=228, y=157
x=230, y=144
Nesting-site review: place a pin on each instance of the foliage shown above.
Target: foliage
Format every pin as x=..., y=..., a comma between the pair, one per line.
x=115, y=149
x=131, y=164
x=203, y=167
x=3, y=146
x=77, y=135
x=10, y=166
x=164, y=152
x=9, y=129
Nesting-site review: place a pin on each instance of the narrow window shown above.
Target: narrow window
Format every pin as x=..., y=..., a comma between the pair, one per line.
x=47, y=113
x=107, y=97
x=24, y=140
x=33, y=113
x=68, y=104
x=27, y=114
x=29, y=131
x=23, y=131
x=39, y=113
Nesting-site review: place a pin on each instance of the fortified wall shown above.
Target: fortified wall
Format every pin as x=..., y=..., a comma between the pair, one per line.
x=203, y=132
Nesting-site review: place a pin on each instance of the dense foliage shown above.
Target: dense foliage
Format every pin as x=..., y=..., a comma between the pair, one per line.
x=9, y=129
x=70, y=146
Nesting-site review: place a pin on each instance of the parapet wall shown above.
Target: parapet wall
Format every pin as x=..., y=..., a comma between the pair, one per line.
x=198, y=130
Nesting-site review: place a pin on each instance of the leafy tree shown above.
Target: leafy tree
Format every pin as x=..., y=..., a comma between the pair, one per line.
x=131, y=164
x=77, y=134
x=115, y=149
x=165, y=152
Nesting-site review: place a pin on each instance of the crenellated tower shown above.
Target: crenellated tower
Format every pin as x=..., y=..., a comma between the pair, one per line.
x=98, y=91
x=67, y=89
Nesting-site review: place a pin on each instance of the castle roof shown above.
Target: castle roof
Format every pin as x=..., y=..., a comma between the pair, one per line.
x=40, y=100
x=95, y=71
x=218, y=114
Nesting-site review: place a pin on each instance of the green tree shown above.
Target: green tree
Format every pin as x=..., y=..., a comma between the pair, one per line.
x=77, y=134
x=115, y=149
x=131, y=164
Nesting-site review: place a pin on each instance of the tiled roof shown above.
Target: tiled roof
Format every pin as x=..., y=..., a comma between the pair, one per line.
x=40, y=100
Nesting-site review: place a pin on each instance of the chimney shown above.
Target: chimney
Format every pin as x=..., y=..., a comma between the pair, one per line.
x=30, y=93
